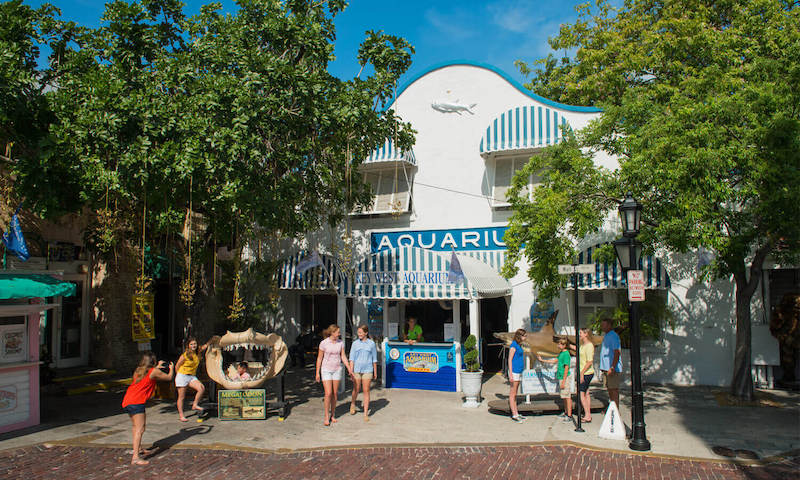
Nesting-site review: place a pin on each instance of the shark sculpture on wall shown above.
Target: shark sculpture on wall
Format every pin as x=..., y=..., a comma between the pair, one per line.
x=543, y=342
x=250, y=340
x=453, y=107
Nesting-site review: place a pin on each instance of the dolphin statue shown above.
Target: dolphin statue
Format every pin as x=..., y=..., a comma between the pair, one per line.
x=453, y=107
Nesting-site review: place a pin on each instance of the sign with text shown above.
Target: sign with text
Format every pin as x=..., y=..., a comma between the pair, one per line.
x=242, y=404
x=635, y=286
x=487, y=238
x=584, y=268
x=422, y=362
x=142, y=324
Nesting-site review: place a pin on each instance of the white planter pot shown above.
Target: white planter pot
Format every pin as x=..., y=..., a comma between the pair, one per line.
x=471, y=386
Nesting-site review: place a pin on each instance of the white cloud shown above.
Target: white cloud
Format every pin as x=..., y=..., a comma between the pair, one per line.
x=516, y=16
x=453, y=25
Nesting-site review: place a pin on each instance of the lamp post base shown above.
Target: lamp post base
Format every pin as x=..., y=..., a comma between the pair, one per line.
x=639, y=444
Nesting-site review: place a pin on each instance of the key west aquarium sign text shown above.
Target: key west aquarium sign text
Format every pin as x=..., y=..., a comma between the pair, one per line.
x=489, y=238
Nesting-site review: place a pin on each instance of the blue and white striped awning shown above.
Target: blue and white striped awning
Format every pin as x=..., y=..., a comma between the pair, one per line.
x=610, y=276
x=327, y=278
x=389, y=154
x=523, y=128
x=420, y=274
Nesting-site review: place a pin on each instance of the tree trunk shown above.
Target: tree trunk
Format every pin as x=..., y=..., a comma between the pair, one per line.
x=746, y=284
x=742, y=385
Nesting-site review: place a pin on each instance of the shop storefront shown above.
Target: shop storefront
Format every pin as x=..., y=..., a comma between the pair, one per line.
x=22, y=306
x=476, y=127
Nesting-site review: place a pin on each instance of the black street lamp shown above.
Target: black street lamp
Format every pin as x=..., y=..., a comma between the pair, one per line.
x=629, y=251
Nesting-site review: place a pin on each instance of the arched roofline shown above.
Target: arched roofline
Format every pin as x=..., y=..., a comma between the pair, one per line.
x=505, y=76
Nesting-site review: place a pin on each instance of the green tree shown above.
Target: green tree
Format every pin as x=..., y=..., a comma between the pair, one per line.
x=701, y=106
x=228, y=121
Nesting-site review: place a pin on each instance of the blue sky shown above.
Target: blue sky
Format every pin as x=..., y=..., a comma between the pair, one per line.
x=496, y=32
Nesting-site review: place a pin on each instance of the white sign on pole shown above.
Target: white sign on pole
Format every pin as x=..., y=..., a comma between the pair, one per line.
x=585, y=268
x=565, y=270
x=635, y=286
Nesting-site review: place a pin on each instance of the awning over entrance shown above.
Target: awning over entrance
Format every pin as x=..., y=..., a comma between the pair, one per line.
x=524, y=127
x=23, y=285
x=610, y=276
x=420, y=274
x=484, y=279
x=318, y=278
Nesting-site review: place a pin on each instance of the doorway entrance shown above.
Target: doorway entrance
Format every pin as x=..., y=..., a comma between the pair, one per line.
x=494, y=318
x=70, y=327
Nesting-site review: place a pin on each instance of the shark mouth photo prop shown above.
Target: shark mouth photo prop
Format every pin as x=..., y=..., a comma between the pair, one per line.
x=545, y=341
x=270, y=348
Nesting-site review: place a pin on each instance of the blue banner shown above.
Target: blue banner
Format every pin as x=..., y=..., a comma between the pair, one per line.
x=487, y=238
x=13, y=239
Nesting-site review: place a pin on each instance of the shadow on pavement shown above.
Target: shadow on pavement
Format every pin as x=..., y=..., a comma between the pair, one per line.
x=61, y=410
x=166, y=443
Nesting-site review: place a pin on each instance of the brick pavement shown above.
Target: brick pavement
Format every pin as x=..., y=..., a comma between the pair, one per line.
x=65, y=462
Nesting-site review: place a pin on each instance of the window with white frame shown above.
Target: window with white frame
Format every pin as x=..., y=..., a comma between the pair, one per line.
x=504, y=170
x=391, y=190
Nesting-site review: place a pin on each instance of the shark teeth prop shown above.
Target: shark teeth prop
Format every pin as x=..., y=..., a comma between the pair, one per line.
x=545, y=341
x=251, y=340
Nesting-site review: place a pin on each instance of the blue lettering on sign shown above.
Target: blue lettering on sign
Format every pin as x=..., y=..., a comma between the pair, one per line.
x=488, y=238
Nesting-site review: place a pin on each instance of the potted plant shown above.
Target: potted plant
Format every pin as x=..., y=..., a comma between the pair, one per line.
x=471, y=375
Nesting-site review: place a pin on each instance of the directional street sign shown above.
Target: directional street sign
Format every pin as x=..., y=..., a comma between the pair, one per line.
x=581, y=268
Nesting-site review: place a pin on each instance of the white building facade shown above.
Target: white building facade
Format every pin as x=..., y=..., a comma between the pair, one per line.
x=476, y=126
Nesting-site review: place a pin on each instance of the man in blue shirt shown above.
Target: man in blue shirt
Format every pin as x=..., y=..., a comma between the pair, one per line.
x=610, y=363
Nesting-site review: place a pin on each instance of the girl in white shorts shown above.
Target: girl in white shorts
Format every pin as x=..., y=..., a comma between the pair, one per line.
x=185, y=377
x=329, y=369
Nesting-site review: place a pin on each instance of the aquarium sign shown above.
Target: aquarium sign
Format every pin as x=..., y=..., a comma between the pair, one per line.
x=421, y=362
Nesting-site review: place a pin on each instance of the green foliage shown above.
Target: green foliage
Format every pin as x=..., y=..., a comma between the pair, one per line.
x=700, y=107
x=471, y=354
x=231, y=120
x=654, y=316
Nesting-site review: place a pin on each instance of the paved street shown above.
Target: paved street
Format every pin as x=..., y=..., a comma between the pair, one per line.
x=550, y=462
x=411, y=434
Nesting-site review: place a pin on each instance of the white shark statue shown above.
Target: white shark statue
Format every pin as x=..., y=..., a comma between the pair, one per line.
x=450, y=107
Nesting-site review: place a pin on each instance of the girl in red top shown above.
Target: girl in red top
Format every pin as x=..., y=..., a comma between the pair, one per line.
x=139, y=391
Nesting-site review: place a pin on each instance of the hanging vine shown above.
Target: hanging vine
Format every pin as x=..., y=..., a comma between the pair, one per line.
x=187, y=288
x=143, y=281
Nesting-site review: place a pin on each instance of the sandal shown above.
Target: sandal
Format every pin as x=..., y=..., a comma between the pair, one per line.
x=139, y=461
x=586, y=420
x=352, y=410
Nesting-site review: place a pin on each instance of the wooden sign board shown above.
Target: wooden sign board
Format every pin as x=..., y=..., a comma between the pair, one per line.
x=242, y=404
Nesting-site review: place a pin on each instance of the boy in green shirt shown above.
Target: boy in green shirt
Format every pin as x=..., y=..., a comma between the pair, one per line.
x=564, y=376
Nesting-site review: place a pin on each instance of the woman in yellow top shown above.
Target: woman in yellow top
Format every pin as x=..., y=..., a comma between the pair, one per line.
x=586, y=372
x=186, y=369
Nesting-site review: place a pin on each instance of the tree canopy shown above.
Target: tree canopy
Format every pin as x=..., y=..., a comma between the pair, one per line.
x=235, y=113
x=701, y=107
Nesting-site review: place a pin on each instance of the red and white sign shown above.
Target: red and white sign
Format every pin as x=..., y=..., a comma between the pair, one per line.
x=635, y=286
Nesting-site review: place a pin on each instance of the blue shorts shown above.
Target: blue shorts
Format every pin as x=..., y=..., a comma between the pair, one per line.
x=134, y=409
x=587, y=379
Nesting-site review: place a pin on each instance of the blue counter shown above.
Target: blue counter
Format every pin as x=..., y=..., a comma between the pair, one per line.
x=421, y=366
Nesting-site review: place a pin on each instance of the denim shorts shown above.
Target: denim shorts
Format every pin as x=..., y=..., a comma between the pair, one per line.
x=134, y=409
x=587, y=379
